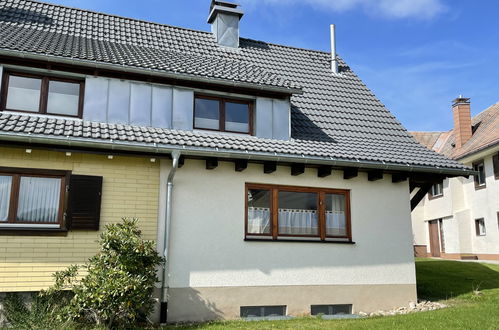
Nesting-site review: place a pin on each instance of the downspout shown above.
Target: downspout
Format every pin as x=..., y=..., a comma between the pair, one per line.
x=169, y=204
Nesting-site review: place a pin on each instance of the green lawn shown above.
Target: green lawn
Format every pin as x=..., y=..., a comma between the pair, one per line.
x=451, y=281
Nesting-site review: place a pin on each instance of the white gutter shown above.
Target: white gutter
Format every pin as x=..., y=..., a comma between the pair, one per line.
x=216, y=152
x=168, y=220
x=146, y=71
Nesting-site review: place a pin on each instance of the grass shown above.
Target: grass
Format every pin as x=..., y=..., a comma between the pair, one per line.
x=453, y=281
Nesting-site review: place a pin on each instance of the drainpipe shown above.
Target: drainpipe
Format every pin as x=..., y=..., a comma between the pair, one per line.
x=169, y=204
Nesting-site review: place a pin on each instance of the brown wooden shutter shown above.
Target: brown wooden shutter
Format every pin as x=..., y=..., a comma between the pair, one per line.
x=84, y=202
x=495, y=160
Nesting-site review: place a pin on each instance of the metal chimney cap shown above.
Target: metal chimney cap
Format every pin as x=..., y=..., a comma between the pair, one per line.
x=215, y=9
x=461, y=100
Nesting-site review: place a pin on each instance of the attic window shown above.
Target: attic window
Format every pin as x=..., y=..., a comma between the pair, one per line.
x=480, y=177
x=437, y=190
x=222, y=114
x=42, y=94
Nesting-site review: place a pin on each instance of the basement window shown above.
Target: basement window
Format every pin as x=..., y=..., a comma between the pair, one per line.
x=262, y=311
x=344, y=309
x=480, y=177
x=223, y=115
x=42, y=94
x=480, y=227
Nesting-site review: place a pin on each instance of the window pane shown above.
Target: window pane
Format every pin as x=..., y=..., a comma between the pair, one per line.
x=236, y=117
x=258, y=211
x=336, y=222
x=298, y=213
x=24, y=93
x=38, y=199
x=63, y=98
x=207, y=114
x=5, y=188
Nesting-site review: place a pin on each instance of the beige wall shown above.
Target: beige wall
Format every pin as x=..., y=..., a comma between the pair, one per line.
x=130, y=188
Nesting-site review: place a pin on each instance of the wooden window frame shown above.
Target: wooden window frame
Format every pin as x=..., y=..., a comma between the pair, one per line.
x=321, y=208
x=16, y=174
x=432, y=196
x=44, y=90
x=221, y=113
x=477, y=176
x=477, y=227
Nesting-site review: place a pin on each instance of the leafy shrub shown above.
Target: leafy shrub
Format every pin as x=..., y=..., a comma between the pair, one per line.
x=117, y=286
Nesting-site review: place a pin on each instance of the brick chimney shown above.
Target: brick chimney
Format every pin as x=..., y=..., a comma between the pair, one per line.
x=462, y=120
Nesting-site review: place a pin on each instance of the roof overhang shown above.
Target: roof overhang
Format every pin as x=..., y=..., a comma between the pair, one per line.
x=167, y=149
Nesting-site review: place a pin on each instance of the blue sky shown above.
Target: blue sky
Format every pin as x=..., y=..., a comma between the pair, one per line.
x=416, y=55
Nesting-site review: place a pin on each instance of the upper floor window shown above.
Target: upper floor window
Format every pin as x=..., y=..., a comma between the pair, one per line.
x=437, y=190
x=480, y=177
x=284, y=212
x=480, y=227
x=42, y=94
x=224, y=115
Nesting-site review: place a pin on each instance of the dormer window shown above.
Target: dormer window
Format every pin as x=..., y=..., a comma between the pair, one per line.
x=42, y=94
x=223, y=114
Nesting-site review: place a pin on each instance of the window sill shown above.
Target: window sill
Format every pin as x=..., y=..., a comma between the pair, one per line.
x=296, y=241
x=480, y=187
x=431, y=197
x=19, y=231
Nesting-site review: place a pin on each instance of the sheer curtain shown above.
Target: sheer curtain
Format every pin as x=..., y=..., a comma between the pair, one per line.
x=258, y=220
x=39, y=199
x=298, y=222
x=335, y=216
x=5, y=187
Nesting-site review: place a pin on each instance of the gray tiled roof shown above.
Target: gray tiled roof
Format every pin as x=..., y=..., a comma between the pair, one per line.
x=336, y=116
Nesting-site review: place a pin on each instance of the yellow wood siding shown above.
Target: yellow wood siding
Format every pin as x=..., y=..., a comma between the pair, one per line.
x=130, y=188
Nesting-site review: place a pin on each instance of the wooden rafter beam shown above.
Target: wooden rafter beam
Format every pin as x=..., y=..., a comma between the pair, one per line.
x=350, y=172
x=324, y=171
x=297, y=169
x=211, y=163
x=269, y=167
x=374, y=175
x=240, y=165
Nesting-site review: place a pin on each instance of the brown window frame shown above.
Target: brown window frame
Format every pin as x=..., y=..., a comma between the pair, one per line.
x=221, y=113
x=44, y=89
x=477, y=227
x=16, y=174
x=274, y=207
x=476, y=176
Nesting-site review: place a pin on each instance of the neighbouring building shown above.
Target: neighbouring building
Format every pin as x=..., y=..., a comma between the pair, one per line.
x=271, y=177
x=459, y=218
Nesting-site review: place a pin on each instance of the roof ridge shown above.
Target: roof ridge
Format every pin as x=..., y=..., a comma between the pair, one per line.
x=174, y=26
x=484, y=110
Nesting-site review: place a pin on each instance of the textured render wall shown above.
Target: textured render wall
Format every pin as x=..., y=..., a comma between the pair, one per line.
x=208, y=249
x=450, y=228
x=130, y=188
x=419, y=225
x=484, y=203
x=439, y=207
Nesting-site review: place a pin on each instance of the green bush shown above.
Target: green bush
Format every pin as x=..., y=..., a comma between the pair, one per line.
x=36, y=311
x=117, y=284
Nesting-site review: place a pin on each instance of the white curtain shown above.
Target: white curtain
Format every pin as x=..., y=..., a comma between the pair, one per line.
x=39, y=199
x=5, y=187
x=258, y=220
x=335, y=218
x=298, y=222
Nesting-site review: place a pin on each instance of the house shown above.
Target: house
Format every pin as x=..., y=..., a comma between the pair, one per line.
x=271, y=177
x=459, y=219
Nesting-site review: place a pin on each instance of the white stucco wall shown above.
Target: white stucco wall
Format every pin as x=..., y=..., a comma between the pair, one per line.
x=208, y=247
x=466, y=204
x=484, y=203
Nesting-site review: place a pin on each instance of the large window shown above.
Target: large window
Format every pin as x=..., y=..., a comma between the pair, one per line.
x=480, y=177
x=42, y=94
x=32, y=199
x=220, y=114
x=284, y=212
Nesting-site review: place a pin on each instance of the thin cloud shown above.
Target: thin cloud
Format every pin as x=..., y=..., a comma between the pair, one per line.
x=399, y=9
